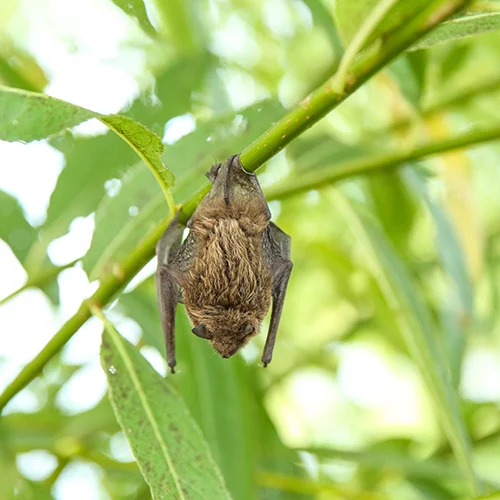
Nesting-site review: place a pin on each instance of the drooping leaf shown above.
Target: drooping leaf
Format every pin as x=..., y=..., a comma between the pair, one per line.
x=15, y=230
x=137, y=10
x=448, y=245
x=409, y=72
x=145, y=143
x=351, y=15
x=417, y=329
x=90, y=162
x=320, y=151
x=170, y=449
x=123, y=220
x=466, y=24
x=222, y=396
x=29, y=116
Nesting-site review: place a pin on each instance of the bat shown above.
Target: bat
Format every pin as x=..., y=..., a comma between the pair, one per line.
x=233, y=263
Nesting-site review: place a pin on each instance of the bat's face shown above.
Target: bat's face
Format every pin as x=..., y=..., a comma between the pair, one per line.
x=227, y=338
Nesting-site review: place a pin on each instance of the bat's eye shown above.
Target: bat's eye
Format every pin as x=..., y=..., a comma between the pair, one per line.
x=247, y=330
x=202, y=332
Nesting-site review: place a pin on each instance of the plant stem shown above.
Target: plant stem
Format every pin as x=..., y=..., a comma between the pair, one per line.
x=318, y=178
x=309, y=111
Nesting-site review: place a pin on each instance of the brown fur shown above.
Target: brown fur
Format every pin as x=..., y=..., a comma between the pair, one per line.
x=229, y=286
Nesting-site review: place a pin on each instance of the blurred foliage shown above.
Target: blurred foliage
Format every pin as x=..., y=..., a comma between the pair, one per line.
x=395, y=291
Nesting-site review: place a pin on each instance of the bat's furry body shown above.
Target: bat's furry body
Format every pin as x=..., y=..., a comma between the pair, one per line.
x=229, y=268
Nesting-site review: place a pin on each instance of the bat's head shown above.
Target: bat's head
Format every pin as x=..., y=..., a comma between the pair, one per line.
x=233, y=185
x=229, y=334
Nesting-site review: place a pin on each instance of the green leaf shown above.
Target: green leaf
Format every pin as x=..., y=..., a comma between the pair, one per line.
x=418, y=330
x=90, y=162
x=409, y=71
x=169, y=448
x=448, y=245
x=321, y=151
x=240, y=434
x=137, y=10
x=15, y=230
x=28, y=116
x=122, y=220
x=145, y=143
x=467, y=24
x=351, y=15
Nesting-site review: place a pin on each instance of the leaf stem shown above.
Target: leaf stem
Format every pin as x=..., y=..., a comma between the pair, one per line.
x=359, y=40
x=318, y=178
x=309, y=111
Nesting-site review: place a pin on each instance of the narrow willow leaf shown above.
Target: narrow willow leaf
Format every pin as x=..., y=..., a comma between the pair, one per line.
x=137, y=10
x=146, y=144
x=90, y=162
x=122, y=220
x=15, y=230
x=417, y=329
x=448, y=245
x=350, y=16
x=471, y=23
x=170, y=450
x=28, y=116
x=238, y=449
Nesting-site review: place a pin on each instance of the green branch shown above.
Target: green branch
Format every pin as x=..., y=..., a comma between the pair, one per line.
x=315, y=179
x=308, y=112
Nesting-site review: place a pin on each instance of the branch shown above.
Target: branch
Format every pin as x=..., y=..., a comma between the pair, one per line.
x=315, y=179
x=308, y=112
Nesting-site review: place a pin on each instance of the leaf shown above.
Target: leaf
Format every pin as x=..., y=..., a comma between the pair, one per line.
x=90, y=162
x=409, y=72
x=137, y=10
x=394, y=206
x=447, y=242
x=351, y=15
x=15, y=229
x=431, y=489
x=169, y=448
x=145, y=143
x=240, y=434
x=417, y=329
x=320, y=152
x=28, y=116
x=122, y=220
x=467, y=24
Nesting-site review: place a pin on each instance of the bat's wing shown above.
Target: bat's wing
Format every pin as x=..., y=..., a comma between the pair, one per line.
x=174, y=258
x=276, y=247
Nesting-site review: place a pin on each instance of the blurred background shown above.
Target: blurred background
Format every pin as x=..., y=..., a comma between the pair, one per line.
x=342, y=411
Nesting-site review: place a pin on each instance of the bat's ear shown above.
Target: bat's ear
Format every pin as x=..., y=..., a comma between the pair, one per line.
x=202, y=332
x=212, y=173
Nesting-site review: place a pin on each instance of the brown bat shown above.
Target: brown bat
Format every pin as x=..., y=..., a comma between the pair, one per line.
x=233, y=262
